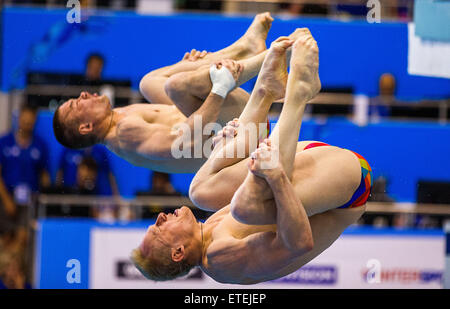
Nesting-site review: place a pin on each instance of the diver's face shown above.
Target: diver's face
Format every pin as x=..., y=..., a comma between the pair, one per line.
x=86, y=108
x=173, y=228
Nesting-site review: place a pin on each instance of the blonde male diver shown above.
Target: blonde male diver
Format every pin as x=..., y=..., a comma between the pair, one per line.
x=203, y=85
x=270, y=219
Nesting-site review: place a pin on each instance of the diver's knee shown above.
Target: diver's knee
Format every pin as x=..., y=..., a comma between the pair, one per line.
x=175, y=85
x=199, y=196
x=240, y=211
x=145, y=81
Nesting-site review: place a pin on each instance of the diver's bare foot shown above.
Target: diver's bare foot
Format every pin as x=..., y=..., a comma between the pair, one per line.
x=305, y=66
x=299, y=32
x=294, y=36
x=273, y=75
x=253, y=41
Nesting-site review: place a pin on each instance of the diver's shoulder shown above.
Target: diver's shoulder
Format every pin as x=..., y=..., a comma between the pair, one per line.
x=129, y=128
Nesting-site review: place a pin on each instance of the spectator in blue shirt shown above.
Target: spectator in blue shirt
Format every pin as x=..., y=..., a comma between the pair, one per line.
x=23, y=170
x=381, y=105
x=85, y=184
x=68, y=164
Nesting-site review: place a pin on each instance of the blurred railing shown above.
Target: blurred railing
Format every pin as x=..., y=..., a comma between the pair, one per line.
x=45, y=200
x=440, y=107
x=74, y=91
x=135, y=205
x=410, y=208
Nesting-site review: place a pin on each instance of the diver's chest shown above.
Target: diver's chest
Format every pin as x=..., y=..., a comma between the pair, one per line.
x=230, y=227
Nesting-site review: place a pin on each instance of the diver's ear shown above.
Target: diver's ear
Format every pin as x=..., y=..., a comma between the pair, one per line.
x=85, y=128
x=178, y=253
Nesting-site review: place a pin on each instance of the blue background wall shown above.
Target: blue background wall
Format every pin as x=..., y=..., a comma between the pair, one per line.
x=61, y=240
x=352, y=53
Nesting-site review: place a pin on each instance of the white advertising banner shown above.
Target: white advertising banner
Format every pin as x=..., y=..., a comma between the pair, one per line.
x=354, y=261
x=427, y=58
x=447, y=256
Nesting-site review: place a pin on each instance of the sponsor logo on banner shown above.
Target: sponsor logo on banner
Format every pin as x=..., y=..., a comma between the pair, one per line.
x=326, y=275
x=407, y=276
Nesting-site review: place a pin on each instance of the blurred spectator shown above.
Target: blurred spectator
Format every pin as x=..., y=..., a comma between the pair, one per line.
x=381, y=105
x=427, y=222
x=93, y=78
x=12, y=271
x=86, y=171
x=203, y=5
x=93, y=72
x=404, y=220
x=380, y=222
x=85, y=184
x=379, y=192
x=352, y=9
x=376, y=220
x=87, y=174
x=295, y=9
x=68, y=164
x=86, y=177
x=161, y=185
x=94, y=68
x=23, y=172
x=387, y=85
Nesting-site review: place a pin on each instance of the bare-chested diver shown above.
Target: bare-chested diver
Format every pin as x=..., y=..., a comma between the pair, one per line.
x=144, y=133
x=265, y=232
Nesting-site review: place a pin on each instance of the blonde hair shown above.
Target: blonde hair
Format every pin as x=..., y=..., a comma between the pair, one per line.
x=158, y=264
